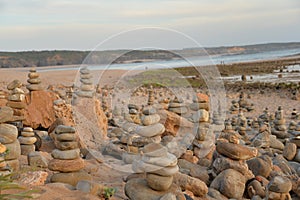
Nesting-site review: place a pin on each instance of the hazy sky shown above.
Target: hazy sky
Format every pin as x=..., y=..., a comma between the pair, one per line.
x=82, y=24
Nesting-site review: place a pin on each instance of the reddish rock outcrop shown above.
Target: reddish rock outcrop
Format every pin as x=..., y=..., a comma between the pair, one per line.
x=39, y=111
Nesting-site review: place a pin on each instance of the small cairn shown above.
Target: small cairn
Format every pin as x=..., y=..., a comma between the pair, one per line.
x=151, y=97
x=242, y=124
x=8, y=137
x=16, y=99
x=87, y=88
x=243, y=104
x=27, y=141
x=265, y=117
x=177, y=106
x=159, y=166
x=295, y=115
x=279, y=129
x=134, y=114
x=67, y=158
x=217, y=116
x=296, y=129
x=235, y=107
x=34, y=81
x=200, y=101
x=292, y=127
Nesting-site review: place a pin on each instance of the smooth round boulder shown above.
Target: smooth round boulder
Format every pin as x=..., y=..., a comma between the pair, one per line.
x=159, y=183
x=71, y=178
x=8, y=133
x=280, y=184
x=150, y=119
x=66, y=155
x=290, y=151
x=14, y=150
x=33, y=75
x=150, y=131
x=6, y=114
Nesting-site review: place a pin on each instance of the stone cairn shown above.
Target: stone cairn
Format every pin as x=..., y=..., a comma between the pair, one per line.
x=8, y=138
x=230, y=166
x=217, y=116
x=67, y=158
x=134, y=114
x=243, y=104
x=295, y=115
x=159, y=166
x=34, y=81
x=242, y=124
x=87, y=88
x=27, y=141
x=280, y=129
x=177, y=106
x=16, y=99
x=235, y=107
x=151, y=97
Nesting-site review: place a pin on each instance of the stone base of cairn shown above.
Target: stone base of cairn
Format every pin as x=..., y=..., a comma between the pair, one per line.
x=160, y=167
x=177, y=106
x=87, y=88
x=280, y=129
x=67, y=158
x=34, y=81
x=16, y=99
x=27, y=140
x=8, y=137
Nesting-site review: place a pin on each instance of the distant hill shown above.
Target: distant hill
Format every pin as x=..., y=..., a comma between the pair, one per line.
x=65, y=57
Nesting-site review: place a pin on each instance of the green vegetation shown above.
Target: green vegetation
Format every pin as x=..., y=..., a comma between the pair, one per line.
x=109, y=192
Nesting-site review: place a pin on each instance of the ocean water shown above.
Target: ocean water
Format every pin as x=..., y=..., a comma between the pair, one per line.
x=190, y=61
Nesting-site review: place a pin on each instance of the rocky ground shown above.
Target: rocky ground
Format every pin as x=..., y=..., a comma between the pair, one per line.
x=200, y=157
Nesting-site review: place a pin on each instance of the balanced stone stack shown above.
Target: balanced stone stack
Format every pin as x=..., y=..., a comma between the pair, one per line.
x=8, y=137
x=16, y=99
x=67, y=158
x=265, y=117
x=87, y=88
x=243, y=104
x=242, y=124
x=200, y=101
x=235, y=107
x=295, y=115
x=217, y=116
x=27, y=141
x=134, y=114
x=151, y=97
x=280, y=129
x=231, y=166
x=159, y=166
x=177, y=106
x=34, y=81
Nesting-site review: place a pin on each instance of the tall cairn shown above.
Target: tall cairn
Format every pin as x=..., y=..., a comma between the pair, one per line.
x=16, y=99
x=87, y=88
x=27, y=141
x=67, y=158
x=34, y=81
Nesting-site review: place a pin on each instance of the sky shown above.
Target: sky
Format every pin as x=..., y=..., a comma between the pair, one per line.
x=119, y=24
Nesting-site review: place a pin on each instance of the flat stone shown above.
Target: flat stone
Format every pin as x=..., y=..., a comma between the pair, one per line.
x=179, y=110
x=89, y=187
x=66, y=145
x=149, y=111
x=150, y=131
x=176, y=105
x=166, y=171
x=8, y=133
x=86, y=81
x=27, y=148
x=37, y=159
x=27, y=140
x=150, y=119
x=66, y=165
x=14, y=84
x=71, y=178
x=27, y=134
x=14, y=150
x=66, y=155
x=290, y=151
x=155, y=150
x=230, y=183
x=16, y=97
x=87, y=87
x=236, y=151
x=35, y=178
x=6, y=114
x=86, y=94
x=169, y=160
x=34, y=87
x=64, y=129
x=86, y=76
x=18, y=91
x=198, y=106
x=34, y=81
x=66, y=137
x=201, y=116
x=280, y=184
x=85, y=70
x=18, y=105
x=27, y=129
x=159, y=183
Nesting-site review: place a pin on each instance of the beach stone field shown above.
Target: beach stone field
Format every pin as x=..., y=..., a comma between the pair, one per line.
x=62, y=139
